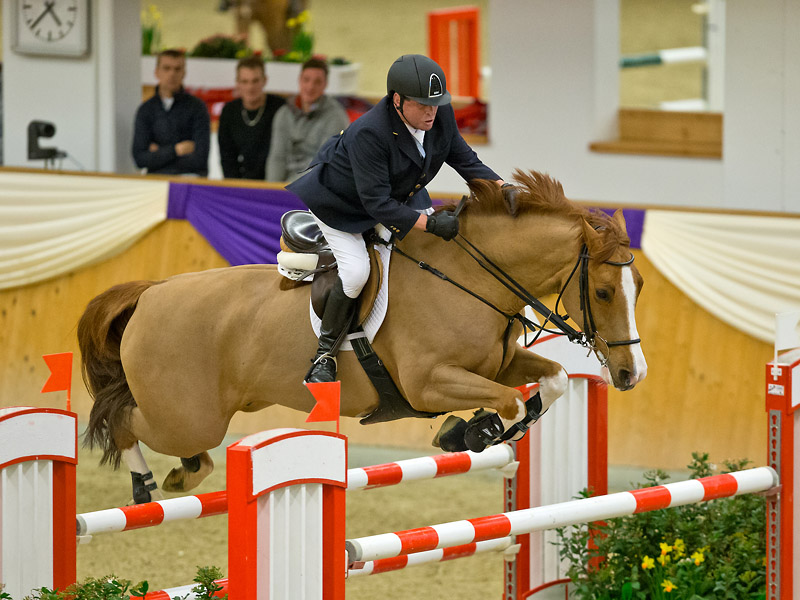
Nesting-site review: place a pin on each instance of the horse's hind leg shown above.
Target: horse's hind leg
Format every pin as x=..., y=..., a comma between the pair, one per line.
x=145, y=488
x=188, y=476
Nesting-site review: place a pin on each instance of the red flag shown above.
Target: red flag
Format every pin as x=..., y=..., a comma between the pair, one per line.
x=60, y=374
x=327, y=397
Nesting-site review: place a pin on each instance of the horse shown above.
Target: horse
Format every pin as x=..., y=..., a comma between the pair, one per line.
x=169, y=362
x=272, y=15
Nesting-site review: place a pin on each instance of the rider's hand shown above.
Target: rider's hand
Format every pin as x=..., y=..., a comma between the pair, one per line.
x=510, y=192
x=444, y=224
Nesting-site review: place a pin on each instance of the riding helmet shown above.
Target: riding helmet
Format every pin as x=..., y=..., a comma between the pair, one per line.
x=419, y=78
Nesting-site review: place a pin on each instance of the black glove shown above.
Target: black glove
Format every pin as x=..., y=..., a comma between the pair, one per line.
x=510, y=192
x=444, y=224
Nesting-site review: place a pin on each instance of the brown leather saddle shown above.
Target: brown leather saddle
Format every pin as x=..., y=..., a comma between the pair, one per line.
x=300, y=234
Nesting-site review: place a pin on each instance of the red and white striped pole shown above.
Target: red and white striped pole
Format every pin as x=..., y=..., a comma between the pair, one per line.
x=586, y=510
x=38, y=454
x=286, y=515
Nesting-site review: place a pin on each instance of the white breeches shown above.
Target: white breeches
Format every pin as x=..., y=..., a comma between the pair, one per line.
x=351, y=256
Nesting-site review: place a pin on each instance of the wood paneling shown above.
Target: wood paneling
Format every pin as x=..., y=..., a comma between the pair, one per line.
x=704, y=390
x=667, y=133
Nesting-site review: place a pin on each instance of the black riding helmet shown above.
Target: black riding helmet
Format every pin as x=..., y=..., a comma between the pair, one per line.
x=419, y=78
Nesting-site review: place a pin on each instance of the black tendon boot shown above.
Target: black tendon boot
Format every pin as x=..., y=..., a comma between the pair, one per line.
x=335, y=322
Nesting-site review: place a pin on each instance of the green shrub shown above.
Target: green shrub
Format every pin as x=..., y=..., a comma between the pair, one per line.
x=710, y=550
x=113, y=588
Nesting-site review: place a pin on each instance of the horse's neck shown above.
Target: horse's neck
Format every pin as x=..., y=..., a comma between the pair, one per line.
x=537, y=251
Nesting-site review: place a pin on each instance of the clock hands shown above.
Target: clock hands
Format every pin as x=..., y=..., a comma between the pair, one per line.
x=48, y=8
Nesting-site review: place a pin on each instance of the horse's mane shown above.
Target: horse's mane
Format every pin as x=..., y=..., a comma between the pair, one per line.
x=541, y=194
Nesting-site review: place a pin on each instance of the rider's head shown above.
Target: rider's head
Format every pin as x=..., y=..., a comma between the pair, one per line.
x=418, y=78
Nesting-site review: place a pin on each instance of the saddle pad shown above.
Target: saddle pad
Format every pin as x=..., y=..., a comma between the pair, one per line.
x=375, y=319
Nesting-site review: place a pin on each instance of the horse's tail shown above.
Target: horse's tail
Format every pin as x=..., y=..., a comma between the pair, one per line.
x=99, y=336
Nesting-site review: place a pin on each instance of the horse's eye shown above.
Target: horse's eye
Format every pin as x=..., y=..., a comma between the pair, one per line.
x=603, y=295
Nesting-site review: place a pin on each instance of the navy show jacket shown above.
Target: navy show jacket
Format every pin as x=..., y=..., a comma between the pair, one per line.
x=373, y=172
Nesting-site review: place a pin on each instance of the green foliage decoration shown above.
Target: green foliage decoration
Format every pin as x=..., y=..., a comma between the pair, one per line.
x=711, y=550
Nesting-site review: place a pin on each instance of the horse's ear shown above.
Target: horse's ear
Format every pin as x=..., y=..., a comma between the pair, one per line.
x=591, y=237
x=619, y=218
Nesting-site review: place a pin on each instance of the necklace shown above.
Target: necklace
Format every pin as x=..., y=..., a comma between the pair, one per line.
x=254, y=121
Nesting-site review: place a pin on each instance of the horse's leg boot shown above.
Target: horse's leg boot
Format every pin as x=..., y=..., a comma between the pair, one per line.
x=484, y=429
x=450, y=437
x=336, y=319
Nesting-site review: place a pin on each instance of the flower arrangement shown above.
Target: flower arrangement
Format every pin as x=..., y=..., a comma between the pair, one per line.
x=223, y=46
x=302, y=44
x=711, y=550
x=151, y=30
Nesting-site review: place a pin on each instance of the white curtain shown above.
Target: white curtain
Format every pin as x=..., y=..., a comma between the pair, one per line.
x=53, y=224
x=742, y=269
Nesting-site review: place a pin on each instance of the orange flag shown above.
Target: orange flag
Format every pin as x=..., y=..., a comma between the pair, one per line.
x=60, y=374
x=327, y=406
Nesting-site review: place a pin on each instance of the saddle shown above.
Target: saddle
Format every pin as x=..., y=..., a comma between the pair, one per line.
x=306, y=256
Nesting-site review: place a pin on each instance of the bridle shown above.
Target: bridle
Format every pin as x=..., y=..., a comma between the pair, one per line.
x=587, y=338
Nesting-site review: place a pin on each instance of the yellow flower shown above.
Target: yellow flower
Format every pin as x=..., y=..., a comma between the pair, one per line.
x=291, y=23
x=680, y=547
x=697, y=557
x=648, y=563
x=665, y=549
x=663, y=559
x=304, y=17
x=668, y=585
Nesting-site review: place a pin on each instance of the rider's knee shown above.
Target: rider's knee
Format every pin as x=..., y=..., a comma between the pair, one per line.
x=354, y=276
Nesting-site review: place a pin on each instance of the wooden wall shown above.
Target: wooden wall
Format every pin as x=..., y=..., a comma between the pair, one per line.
x=704, y=390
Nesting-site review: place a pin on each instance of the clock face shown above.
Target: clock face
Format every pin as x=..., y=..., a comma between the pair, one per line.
x=49, y=20
x=52, y=27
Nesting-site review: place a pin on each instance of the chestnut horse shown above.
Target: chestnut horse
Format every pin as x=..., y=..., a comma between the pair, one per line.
x=170, y=362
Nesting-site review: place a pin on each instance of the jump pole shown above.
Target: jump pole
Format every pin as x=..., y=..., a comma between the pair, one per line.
x=38, y=454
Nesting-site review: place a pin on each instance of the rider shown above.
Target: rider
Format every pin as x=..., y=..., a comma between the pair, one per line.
x=375, y=172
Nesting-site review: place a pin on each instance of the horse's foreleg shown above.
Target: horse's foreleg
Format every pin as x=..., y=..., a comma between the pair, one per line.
x=527, y=367
x=145, y=488
x=188, y=476
x=452, y=388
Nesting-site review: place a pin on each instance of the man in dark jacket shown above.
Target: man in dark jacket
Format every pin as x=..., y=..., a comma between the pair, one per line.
x=171, y=131
x=376, y=172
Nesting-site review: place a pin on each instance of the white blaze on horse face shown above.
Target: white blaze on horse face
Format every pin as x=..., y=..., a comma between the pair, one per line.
x=629, y=293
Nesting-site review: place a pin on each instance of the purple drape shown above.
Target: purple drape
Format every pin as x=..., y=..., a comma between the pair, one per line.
x=243, y=224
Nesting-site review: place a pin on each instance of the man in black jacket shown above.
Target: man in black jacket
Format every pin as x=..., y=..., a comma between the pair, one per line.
x=171, y=131
x=376, y=172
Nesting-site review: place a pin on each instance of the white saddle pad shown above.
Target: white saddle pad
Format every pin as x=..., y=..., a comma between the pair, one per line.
x=378, y=314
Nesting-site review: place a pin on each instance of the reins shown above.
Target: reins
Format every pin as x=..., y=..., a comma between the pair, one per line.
x=582, y=338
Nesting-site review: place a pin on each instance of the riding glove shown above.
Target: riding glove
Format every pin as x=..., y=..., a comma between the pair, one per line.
x=510, y=192
x=444, y=224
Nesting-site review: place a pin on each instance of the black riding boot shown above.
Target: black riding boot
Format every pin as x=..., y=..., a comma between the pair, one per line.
x=335, y=320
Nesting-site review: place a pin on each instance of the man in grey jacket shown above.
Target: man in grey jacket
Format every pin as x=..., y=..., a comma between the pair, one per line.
x=303, y=124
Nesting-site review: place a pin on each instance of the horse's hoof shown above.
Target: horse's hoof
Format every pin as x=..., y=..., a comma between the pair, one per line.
x=174, y=482
x=450, y=437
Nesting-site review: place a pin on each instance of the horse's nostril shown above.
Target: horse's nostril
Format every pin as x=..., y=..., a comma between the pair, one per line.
x=625, y=377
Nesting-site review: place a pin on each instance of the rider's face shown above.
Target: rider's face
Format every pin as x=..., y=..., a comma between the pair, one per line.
x=419, y=116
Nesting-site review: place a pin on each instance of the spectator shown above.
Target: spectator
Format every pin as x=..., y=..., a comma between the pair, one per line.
x=301, y=126
x=245, y=124
x=171, y=132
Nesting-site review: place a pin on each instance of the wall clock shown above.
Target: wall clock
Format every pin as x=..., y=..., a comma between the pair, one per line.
x=52, y=27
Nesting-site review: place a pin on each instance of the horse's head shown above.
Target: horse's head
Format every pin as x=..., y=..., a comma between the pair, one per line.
x=601, y=293
x=601, y=297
